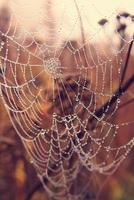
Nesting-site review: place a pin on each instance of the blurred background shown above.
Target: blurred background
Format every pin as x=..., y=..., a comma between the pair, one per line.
x=104, y=27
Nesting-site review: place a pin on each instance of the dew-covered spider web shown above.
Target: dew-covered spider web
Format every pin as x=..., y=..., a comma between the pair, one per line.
x=65, y=94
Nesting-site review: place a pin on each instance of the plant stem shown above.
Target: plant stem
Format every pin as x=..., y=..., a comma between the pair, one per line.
x=119, y=92
x=126, y=62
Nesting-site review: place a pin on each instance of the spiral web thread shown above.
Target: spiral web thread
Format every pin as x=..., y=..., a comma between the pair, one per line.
x=53, y=105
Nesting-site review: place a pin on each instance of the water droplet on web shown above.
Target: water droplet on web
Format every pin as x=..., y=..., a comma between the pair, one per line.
x=118, y=101
x=117, y=126
x=2, y=43
x=77, y=99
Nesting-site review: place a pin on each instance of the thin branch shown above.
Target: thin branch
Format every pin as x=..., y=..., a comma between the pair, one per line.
x=127, y=61
x=82, y=31
x=126, y=103
x=119, y=92
x=6, y=140
x=81, y=23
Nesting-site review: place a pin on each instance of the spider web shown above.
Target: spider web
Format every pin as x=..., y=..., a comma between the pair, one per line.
x=61, y=96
